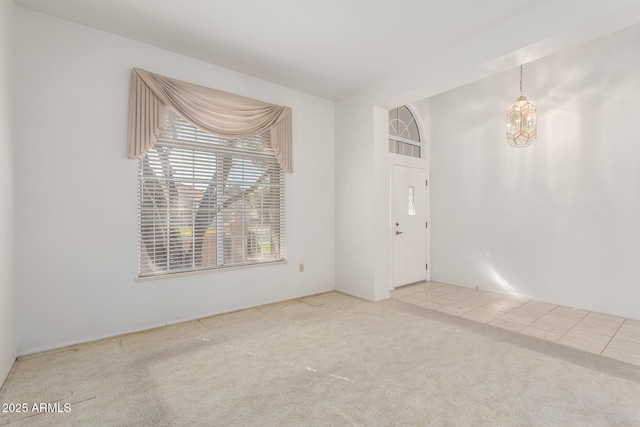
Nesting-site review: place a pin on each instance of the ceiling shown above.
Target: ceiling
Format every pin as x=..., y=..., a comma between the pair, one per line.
x=328, y=48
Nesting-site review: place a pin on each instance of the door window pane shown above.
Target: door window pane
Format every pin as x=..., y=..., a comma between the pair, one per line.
x=412, y=207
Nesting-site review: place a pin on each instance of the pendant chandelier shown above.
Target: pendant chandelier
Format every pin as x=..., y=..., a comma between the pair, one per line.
x=521, y=121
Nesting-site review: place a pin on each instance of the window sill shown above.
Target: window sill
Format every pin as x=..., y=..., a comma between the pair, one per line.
x=206, y=271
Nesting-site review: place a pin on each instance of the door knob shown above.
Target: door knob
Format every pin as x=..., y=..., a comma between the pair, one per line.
x=398, y=232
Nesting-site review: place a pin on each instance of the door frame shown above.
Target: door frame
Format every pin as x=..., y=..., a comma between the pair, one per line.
x=423, y=163
x=423, y=167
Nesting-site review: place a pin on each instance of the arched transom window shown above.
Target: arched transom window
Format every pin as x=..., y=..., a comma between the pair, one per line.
x=404, y=136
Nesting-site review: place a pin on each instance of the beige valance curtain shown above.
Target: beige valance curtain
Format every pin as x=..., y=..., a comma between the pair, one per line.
x=213, y=111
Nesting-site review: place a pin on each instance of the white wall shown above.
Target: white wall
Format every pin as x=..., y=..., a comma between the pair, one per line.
x=556, y=221
x=362, y=213
x=354, y=250
x=77, y=192
x=7, y=339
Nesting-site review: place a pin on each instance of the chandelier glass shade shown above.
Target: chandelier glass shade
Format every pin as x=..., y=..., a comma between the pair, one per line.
x=521, y=121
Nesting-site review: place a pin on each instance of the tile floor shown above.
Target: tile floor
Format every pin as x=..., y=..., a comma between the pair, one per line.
x=610, y=336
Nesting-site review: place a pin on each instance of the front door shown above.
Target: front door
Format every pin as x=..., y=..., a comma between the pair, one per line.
x=409, y=210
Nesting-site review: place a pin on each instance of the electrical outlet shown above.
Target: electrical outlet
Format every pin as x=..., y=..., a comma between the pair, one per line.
x=301, y=268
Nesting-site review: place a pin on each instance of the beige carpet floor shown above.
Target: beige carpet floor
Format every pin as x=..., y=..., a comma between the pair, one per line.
x=326, y=360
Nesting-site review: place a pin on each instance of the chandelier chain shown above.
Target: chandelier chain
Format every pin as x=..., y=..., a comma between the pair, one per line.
x=520, y=80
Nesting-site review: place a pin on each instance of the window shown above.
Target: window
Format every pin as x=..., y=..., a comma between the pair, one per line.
x=410, y=202
x=404, y=137
x=207, y=202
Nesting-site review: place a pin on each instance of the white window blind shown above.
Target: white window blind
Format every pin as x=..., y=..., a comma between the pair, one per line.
x=207, y=202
